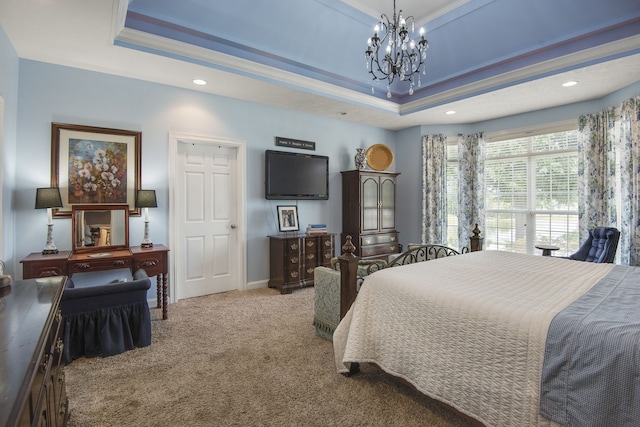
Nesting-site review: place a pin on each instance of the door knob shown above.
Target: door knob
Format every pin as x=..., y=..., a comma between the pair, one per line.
x=233, y=226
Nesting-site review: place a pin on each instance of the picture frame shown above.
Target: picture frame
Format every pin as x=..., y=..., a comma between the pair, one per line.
x=288, y=218
x=95, y=166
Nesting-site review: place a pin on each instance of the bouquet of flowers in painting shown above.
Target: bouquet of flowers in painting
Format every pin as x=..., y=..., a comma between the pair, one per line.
x=97, y=171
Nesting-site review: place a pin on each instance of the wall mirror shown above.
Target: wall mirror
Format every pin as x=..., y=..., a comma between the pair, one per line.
x=100, y=228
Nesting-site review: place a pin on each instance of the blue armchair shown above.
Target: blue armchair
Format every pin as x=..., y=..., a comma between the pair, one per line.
x=600, y=246
x=106, y=320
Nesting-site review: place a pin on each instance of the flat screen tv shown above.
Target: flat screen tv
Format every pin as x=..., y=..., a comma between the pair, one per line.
x=296, y=176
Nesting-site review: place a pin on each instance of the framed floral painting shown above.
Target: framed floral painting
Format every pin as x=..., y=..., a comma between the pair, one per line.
x=94, y=166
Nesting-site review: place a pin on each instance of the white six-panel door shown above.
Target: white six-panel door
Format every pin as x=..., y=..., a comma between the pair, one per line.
x=206, y=219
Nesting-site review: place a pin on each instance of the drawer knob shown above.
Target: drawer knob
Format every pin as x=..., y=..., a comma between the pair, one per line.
x=310, y=243
x=294, y=260
x=294, y=274
x=310, y=270
x=49, y=273
x=327, y=243
x=118, y=262
x=311, y=256
x=148, y=263
x=294, y=246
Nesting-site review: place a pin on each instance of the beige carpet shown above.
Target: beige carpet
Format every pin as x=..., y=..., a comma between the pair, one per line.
x=240, y=359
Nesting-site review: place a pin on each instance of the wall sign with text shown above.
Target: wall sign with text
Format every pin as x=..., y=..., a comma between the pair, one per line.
x=295, y=143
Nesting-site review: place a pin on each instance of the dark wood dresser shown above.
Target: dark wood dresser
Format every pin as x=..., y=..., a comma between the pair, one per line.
x=293, y=258
x=32, y=387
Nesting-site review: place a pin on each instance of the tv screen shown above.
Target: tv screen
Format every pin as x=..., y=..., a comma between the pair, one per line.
x=293, y=176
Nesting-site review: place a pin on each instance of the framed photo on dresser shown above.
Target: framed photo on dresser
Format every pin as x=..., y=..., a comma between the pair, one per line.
x=288, y=218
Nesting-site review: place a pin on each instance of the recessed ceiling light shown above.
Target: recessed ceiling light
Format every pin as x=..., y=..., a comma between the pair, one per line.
x=569, y=83
x=450, y=112
x=199, y=82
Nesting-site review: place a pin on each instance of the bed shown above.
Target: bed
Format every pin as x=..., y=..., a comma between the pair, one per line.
x=471, y=331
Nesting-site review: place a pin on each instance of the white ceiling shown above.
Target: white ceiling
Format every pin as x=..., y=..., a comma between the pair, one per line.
x=81, y=33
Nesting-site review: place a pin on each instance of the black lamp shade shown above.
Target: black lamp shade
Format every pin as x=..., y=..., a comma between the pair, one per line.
x=48, y=198
x=146, y=199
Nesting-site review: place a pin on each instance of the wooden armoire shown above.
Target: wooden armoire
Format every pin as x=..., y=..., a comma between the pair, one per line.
x=369, y=212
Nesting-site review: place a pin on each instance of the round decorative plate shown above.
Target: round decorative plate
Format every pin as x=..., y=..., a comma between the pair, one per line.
x=379, y=157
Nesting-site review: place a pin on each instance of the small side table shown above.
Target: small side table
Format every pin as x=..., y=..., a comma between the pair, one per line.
x=547, y=249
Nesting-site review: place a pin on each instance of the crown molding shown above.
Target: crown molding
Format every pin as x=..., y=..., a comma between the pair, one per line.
x=229, y=63
x=450, y=91
x=565, y=63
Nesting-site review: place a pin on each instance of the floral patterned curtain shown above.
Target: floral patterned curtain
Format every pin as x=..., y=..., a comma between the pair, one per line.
x=434, y=189
x=596, y=172
x=629, y=129
x=609, y=175
x=471, y=157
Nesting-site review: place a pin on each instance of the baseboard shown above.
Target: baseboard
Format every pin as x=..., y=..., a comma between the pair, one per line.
x=251, y=285
x=257, y=284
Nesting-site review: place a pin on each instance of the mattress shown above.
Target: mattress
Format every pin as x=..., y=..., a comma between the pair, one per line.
x=467, y=330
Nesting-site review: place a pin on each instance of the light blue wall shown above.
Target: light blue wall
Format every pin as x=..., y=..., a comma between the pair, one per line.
x=409, y=149
x=50, y=93
x=9, y=94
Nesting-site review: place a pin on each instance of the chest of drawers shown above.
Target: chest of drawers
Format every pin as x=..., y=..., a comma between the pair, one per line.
x=33, y=390
x=293, y=258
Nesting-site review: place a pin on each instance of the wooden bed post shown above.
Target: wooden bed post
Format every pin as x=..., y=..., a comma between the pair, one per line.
x=476, y=240
x=348, y=276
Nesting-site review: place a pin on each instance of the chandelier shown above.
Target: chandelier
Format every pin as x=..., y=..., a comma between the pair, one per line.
x=394, y=54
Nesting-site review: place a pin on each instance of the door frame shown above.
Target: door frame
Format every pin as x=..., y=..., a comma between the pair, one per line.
x=176, y=138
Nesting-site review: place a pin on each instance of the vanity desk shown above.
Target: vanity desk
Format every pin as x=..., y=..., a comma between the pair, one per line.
x=112, y=252
x=153, y=260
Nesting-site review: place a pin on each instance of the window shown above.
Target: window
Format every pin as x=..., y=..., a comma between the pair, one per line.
x=531, y=194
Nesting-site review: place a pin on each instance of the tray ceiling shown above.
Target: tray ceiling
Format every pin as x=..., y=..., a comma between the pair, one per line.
x=487, y=58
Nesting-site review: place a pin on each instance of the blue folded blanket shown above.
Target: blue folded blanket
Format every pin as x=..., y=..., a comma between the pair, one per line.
x=591, y=369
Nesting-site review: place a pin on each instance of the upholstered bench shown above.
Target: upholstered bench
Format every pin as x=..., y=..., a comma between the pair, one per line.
x=326, y=282
x=107, y=319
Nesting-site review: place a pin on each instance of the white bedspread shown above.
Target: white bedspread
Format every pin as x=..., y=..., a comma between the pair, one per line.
x=467, y=330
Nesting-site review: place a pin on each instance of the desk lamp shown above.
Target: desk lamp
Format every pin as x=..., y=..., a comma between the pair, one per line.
x=49, y=198
x=146, y=199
